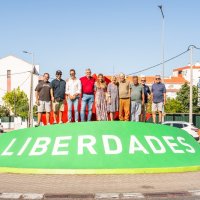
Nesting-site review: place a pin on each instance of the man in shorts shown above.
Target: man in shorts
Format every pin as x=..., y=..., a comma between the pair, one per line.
x=58, y=86
x=43, y=98
x=158, y=91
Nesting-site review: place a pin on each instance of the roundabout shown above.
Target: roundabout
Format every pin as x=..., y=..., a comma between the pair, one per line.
x=99, y=148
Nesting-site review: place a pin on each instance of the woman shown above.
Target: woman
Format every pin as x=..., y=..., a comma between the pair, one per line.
x=100, y=98
x=113, y=97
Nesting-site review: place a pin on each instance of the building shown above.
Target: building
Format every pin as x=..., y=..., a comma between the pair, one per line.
x=185, y=73
x=15, y=72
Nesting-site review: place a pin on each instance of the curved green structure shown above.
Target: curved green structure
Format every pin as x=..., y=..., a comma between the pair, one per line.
x=99, y=148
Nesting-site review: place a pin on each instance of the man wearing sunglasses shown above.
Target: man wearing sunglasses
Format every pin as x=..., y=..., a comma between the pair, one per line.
x=73, y=91
x=158, y=98
x=58, y=86
x=147, y=94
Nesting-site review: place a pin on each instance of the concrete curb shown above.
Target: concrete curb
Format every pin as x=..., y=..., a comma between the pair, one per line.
x=30, y=196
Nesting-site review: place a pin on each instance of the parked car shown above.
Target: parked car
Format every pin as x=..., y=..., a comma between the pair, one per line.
x=1, y=128
x=188, y=127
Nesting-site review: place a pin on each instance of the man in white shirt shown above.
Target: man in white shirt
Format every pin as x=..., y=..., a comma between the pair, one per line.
x=73, y=91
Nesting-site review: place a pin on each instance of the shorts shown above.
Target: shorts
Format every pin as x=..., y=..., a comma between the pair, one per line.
x=58, y=106
x=44, y=106
x=157, y=107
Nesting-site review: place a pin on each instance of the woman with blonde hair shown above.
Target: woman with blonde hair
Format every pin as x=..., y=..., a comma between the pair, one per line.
x=100, y=98
x=113, y=97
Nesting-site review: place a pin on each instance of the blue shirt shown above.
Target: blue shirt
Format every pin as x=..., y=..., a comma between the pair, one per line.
x=58, y=87
x=158, y=90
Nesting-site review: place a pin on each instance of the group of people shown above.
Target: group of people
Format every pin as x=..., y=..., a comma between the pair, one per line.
x=128, y=98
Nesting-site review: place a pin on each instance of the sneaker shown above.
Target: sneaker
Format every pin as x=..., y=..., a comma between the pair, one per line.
x=37, y=125
x=48, y=124
x=54, y=122
x=68, y=122
x=76, y=121
x=60, y=122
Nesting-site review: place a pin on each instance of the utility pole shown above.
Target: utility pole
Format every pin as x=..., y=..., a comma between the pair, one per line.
x=191, y=84
x=30, y=115
x=162, y=42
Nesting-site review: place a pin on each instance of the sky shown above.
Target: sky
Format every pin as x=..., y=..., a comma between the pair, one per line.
x=108, y=36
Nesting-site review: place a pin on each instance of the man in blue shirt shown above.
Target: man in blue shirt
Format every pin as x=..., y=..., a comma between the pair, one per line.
x=158, y=98
x=58, y=86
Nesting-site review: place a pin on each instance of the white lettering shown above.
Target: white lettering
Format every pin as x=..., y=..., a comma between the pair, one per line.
x=58, y=145
x=24, y=146
x=134, y=141
x=107, y=147
x=89, y=145
x=191, y=149
x=6, y=151
x=171, y=144
x=42, y=144
x=150, y=140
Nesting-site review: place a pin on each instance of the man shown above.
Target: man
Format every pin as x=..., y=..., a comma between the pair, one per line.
x=147, y=94
x=137, y=99
x=73, y=91
x=58, y=86
x=43, y=98
x=124, y=98
x=87, y=83
x=158, y=98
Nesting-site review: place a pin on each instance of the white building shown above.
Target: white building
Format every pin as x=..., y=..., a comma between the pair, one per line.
x=185, y=73
x=15, y=72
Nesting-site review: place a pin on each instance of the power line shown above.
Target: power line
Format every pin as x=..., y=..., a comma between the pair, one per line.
x=159, y=63
x=15, y=73
x=165, y=60
x=24, y=81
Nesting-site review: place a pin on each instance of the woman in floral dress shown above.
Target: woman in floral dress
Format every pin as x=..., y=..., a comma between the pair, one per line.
x=113, y=97
x=100, y=98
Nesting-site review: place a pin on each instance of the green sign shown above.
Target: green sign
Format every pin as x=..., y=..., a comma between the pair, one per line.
x=99, y=148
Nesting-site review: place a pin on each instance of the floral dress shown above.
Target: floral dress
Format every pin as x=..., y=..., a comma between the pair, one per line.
x=100, y=102
x=113, y=93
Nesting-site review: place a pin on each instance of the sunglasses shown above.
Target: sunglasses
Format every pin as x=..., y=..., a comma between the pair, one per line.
x=143, y=80
x=59, y=74
x=157, y=78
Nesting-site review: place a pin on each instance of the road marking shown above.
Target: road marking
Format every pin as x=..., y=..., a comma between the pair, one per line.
x=32, y=196
x=10, y=195
x=107, y=196
x=194, y=192
x=132, y=195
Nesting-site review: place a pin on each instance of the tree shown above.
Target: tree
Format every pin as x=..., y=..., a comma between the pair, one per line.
x=17, y=102
x=173, y=106
x=4, y=111
x=183, y=97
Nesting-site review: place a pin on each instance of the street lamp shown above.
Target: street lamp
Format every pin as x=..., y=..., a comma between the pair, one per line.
x=162, y=42
x=191, y=82
x=30, y=114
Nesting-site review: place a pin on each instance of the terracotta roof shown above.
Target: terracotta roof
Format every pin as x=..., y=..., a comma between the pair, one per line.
x=186, y=67
x=172, y=90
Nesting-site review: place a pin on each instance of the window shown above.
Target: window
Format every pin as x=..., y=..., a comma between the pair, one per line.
x=8, y=73
x=178, y=125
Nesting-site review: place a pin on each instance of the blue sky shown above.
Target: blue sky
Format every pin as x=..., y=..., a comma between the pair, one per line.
x=105, y=35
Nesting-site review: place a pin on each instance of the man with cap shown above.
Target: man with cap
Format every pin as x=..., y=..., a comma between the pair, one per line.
x=58, y=86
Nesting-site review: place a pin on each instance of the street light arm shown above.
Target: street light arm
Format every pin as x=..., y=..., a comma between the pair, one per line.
x=160, y=6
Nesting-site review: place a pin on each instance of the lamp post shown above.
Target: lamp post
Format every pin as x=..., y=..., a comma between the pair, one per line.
x=191, y=83
x=162, y=43
x=30, y=114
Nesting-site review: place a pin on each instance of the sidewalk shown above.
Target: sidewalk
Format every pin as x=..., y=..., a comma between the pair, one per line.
x=92, y=184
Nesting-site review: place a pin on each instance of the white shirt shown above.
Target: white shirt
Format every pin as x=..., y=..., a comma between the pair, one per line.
x=73, y=86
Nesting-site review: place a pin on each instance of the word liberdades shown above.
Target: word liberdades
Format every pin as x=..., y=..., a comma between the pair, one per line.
x=89, y=144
